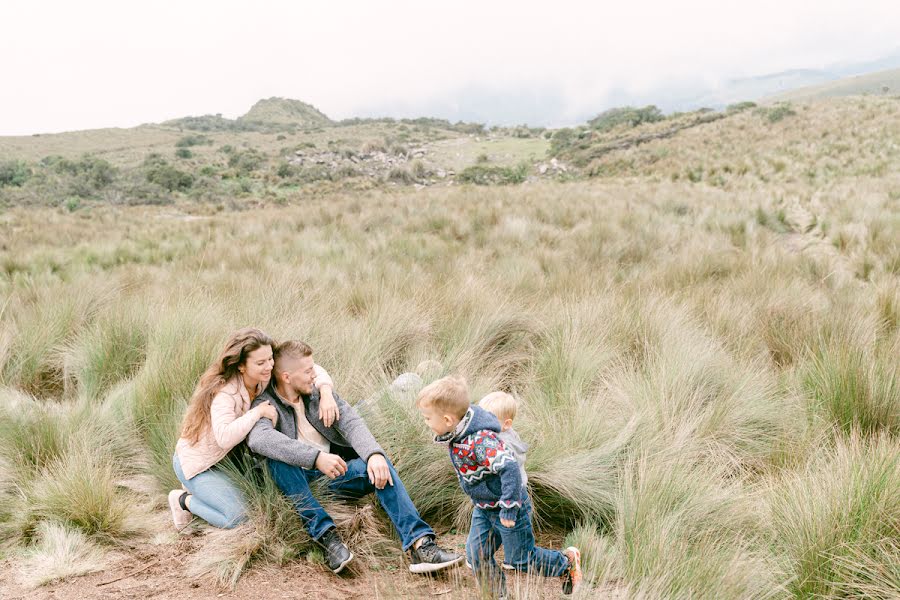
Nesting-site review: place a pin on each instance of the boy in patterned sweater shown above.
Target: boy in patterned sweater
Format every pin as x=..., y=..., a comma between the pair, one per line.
x=489, y=475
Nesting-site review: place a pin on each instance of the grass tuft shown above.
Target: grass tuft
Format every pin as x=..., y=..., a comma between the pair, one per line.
x=60, y=552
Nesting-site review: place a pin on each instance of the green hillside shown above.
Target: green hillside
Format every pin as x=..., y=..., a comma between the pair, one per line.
x=286, y=111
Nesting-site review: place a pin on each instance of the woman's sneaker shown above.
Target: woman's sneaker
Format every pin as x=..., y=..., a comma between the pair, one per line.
x=181, y=518
x=571, y=581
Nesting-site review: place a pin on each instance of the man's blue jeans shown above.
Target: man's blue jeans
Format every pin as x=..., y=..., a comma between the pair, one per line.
x=487, y=534
x=294, y=482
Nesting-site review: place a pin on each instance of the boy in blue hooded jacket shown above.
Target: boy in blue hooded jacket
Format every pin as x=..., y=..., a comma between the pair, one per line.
x=489, y=474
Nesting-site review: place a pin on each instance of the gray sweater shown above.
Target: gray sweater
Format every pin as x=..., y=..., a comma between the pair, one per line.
x=349, y=437
x=514, y=443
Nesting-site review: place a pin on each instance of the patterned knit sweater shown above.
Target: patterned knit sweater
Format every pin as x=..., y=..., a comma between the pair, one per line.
x=487, y=470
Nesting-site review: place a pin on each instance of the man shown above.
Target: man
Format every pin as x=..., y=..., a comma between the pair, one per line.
x=301, y=449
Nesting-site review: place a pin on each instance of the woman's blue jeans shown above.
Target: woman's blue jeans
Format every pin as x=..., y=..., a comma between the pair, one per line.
x=214, y=497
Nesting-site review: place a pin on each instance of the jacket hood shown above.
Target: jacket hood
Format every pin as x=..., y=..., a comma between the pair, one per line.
x=481, y=420
x=475, y=419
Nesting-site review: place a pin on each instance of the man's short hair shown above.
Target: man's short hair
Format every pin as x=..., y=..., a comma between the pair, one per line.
x=291, y=350
x=501, y=404
x=449, y=395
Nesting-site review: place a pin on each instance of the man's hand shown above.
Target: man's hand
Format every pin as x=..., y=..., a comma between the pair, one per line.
x=331, y=466
x=508, y=522
x=379, y=473
x=328, y=410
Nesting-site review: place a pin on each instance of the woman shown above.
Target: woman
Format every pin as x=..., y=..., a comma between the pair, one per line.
x=219, y=418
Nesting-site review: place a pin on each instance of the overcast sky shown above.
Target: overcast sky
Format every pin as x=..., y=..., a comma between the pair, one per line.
x=85, y=64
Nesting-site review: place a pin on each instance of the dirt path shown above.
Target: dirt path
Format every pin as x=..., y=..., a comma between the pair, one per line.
x=159, y=571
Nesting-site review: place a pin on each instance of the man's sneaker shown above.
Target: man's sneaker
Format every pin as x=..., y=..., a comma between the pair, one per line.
x=429, y=557
x=182, y=518
x=337, y=555
x=571, y=581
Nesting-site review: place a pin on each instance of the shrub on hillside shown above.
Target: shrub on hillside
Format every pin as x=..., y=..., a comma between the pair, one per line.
x=779, y=112
x=566, y=140
x=14, y=173
x=488, y=175
x=193, y=140
x=85, y=176
x=740, y=106
x=247, y=161
x=402, y=176
x=627, y=116
x=419, y=170
x=183, y=153
x=312, y=174
x=163, y=174
x=286, y=170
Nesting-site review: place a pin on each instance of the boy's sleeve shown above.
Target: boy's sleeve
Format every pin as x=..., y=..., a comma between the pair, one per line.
x=503, y=463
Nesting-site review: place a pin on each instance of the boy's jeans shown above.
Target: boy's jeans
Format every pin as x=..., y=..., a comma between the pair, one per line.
x=487, y=534
x=294, y=482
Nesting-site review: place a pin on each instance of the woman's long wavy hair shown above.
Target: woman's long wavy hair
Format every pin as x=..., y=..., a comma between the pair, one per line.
x=241, y=343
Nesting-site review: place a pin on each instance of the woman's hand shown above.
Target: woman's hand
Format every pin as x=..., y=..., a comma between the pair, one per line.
x=328, y=410
x=267, y=411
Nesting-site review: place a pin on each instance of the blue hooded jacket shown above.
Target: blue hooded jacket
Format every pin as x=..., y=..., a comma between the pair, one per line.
x=486, y=468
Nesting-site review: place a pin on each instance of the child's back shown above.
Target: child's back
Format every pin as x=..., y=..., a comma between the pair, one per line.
x=519, y=450
x=505, y=407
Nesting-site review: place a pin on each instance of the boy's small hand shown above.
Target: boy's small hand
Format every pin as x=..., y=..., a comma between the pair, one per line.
x=508, y=522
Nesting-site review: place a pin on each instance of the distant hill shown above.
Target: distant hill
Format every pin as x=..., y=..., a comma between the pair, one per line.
x=882, y=83
x=284, y=111
x=271, y=114
x=763, y=87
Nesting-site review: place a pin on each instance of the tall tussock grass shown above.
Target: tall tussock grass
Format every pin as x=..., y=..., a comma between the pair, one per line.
x=63, y=463
x=58, y=553
x=835, y=523
x=110, y=350
x=81, y=489
x=855, y=389
x=43, y=318
x=180, y=347
x=273, y=532
x=675, y=531
x=710, y=394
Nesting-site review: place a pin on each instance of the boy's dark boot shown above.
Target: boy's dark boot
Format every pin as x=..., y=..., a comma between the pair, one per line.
x=429, y=557
x=337, y=555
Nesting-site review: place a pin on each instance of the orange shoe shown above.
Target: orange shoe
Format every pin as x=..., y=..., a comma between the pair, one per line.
x=571, y=581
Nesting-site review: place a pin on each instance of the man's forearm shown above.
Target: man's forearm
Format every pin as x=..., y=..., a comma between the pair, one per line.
x=266, y=441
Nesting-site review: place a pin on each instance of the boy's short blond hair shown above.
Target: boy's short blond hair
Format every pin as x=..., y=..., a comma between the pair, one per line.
x=450, y=395
x=502, y=405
